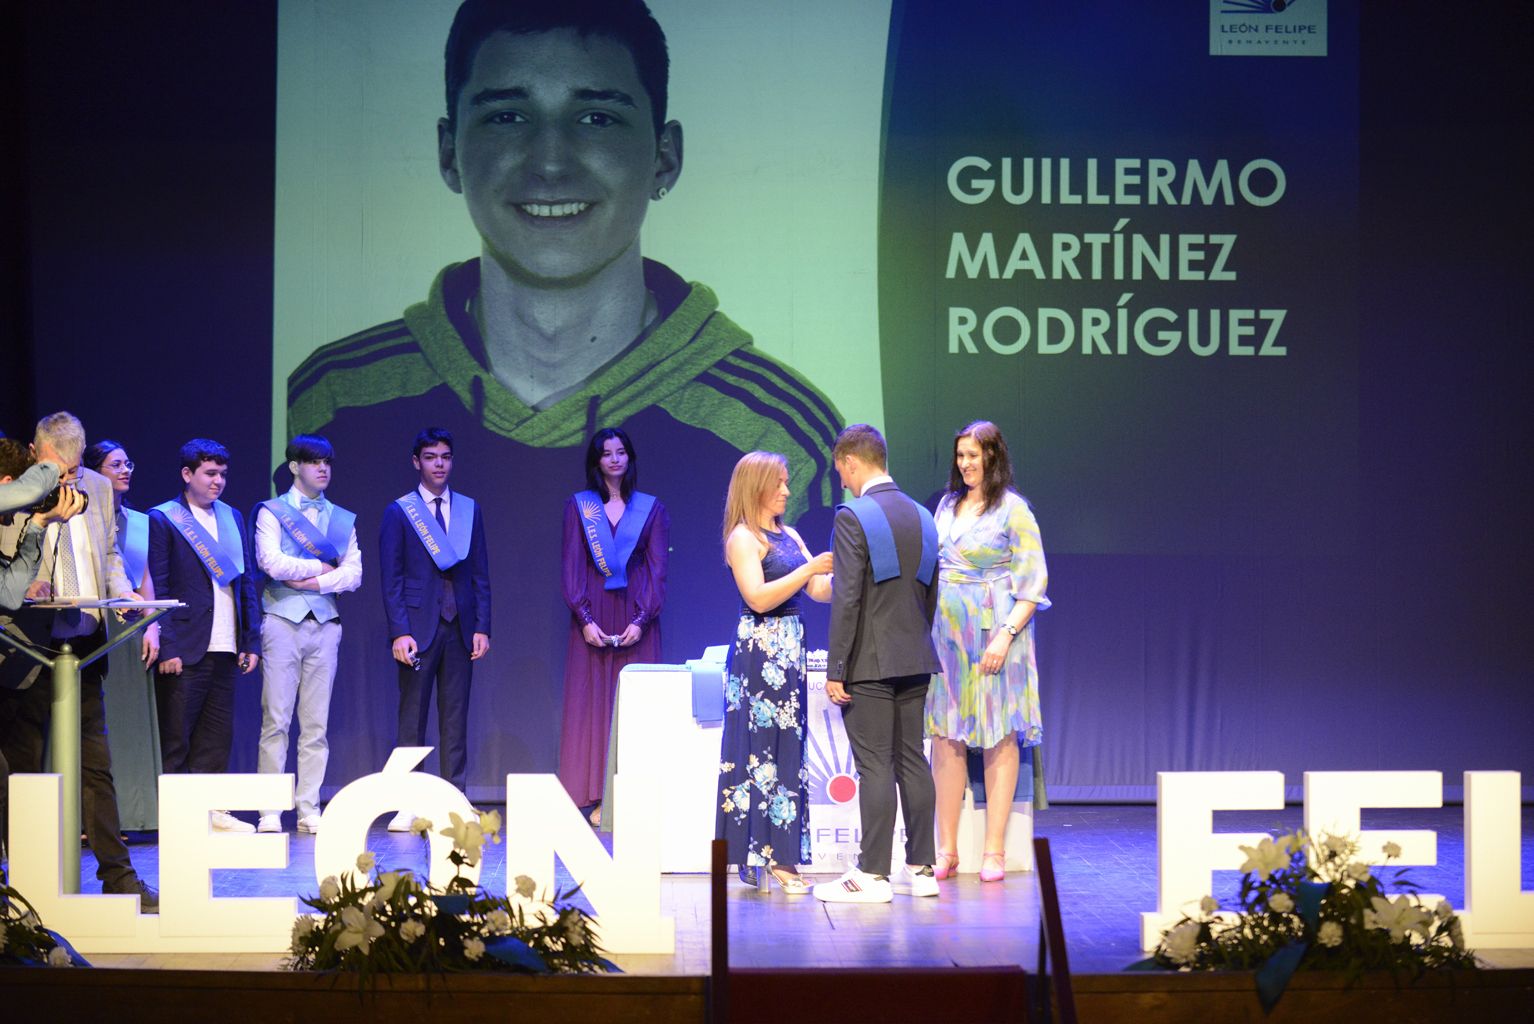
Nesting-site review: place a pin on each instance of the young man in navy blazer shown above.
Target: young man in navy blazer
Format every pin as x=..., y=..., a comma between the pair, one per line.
x=436, y=592
x=199, y=554
x=879, y=662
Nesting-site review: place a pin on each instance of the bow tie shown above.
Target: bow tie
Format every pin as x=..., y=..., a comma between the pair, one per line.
x=314, y=503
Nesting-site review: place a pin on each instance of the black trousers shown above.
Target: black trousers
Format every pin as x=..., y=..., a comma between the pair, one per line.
x=24, y=720
x=444, y=661
x=884, y=727
x=197, y=716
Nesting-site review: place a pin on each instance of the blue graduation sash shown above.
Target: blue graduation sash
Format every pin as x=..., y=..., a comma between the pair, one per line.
x=222, y=561
x=327, y=546
x=882, y=554
x=609, y=553
x=133, y=541
x=447, y=551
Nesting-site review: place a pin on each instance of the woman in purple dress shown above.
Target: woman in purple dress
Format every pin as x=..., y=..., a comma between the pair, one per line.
x=615, y=544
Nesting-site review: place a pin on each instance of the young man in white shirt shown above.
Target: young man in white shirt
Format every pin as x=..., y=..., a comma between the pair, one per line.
x=306, y=548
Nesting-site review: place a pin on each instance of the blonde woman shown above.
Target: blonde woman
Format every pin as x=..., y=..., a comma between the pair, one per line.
x=762, y=811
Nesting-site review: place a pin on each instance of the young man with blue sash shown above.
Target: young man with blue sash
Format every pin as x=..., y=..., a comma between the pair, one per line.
x=197, y=555
x=878, y=663
x=435, y=573
x=306, y=550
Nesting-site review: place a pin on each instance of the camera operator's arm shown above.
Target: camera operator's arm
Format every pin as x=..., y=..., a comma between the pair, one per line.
x=29, y=488
x=17, y=573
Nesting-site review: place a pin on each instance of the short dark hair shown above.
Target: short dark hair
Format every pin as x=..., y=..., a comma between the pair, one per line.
x=431, y=436
x=309, y=448
x=628, y=22
x=199, y=450
x=995, y=463
x=594, y=478
x=97, y=453
x=865, y=442
x=15, y=457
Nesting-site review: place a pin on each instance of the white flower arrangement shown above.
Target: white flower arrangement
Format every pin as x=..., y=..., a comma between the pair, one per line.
x=1309, y=903
x=396, y=923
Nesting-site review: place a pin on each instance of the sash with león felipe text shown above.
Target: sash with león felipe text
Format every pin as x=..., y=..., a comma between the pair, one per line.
x=447, y=550
x=610, y=553
x=327, y=546
x=883, y=558
x=223, y=561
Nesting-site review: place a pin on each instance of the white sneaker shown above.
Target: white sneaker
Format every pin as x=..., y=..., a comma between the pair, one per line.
x=401, y=821
x=269, y=823
x=920, y=882
x=223, y=821
x=309, y=823
x=855, y=887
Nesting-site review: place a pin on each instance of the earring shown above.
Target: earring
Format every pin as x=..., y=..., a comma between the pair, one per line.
x=660, y=193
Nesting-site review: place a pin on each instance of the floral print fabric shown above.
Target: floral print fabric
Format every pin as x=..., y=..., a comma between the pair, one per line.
x=985, y=566
x=762, y=772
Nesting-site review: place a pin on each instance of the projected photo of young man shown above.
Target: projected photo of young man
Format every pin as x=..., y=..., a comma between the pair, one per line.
x=556, y=135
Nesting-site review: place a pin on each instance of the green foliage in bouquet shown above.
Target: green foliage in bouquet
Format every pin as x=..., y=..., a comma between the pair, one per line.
x=1310, y=904
x=395, y=923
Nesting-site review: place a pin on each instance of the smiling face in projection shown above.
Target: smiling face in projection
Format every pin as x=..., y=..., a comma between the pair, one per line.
x=555, y=154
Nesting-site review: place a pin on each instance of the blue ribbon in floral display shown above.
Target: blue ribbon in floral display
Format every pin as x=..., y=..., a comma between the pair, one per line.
x=326, y=546
x=222, y=561
x=133, y=540
x=882, y=555
x=446, y=549
x=609, y=552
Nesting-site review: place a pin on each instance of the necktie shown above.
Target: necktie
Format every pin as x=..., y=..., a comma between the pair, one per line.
x=69, y=572
x=307, y=503
x=449, y=599
x=70, y=622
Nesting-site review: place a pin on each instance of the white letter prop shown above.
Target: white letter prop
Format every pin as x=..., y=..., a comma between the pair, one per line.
x=1334, y=802
x=36, y=869
x=1498, y=913
x=624, y=890
x=1188, y=850
x=191, y=920
x=190, y=850
x=344, y=825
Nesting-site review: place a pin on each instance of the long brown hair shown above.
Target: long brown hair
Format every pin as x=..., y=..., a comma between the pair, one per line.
x=996, y=464
x=754, y=477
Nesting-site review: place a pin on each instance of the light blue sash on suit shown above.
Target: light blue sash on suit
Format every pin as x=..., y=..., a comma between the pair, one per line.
x=446, y=550
x=882, y=554
x=222, y=560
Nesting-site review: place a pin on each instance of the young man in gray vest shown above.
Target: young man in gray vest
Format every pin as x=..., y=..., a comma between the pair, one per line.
x=878, y=665
x=306, y=546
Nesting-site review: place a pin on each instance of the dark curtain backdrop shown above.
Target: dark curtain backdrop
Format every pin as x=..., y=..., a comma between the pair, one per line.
x=138, y=199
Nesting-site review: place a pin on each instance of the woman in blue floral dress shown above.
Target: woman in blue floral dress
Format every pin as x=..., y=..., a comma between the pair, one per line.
x=762, y=773
x=991, y=579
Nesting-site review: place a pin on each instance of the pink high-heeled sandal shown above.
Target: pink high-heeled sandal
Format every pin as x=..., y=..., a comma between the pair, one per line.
x=947, y=865
x=993, y=866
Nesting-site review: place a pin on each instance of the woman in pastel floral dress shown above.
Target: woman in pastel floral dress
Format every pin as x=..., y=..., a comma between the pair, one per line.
x=991, y=580
x=762, y=813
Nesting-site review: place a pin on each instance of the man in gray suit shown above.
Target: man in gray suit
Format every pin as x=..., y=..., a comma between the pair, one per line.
x=81, y=558
x=879, y=663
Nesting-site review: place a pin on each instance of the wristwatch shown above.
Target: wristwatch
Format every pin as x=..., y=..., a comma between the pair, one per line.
x=1009, y=628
